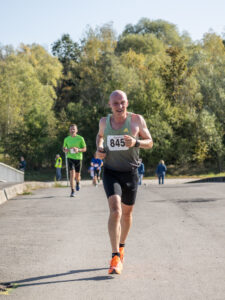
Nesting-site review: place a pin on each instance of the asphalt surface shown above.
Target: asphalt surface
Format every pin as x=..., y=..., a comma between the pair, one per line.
x=57, y=247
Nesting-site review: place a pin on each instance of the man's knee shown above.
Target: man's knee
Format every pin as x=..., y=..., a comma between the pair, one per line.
x=115, y=207
x=115, y=213
x=127, y=215
x=127, y=211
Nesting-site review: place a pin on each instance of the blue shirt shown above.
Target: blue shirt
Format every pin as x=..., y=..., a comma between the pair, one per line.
x=96, y=163
x=161, y=169
x=141, y=169
x=23, y=165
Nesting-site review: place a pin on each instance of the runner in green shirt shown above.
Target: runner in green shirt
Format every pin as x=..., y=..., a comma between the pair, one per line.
x=74, y=145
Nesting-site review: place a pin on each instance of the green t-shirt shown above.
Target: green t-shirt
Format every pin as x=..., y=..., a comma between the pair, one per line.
x=76, y=141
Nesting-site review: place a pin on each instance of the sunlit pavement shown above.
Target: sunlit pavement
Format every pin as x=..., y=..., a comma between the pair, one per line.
x=57, y=247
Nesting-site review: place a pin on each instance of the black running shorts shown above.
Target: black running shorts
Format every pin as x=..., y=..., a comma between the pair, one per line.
x=97, y=172
x=75, y=164
x=124, y=184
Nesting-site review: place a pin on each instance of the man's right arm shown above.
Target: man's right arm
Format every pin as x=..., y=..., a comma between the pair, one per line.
x=65, y=149
x=100, y=139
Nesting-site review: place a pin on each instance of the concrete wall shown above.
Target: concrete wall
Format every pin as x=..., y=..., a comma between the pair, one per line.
x=10, y=174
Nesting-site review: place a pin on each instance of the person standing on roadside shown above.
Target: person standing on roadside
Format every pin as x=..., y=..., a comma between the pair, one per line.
x=141, y=172
x=161, y=171
x=119, y=138
x=58, y=166
x=22, y=164
x=74, y=145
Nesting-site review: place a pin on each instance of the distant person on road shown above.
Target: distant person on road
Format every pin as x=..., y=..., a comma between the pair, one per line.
x=120, y=136
x=141, y=172
x=23, y=164
x=74, y=146
x=58, y=166
x=161, y=171
x=97, y=164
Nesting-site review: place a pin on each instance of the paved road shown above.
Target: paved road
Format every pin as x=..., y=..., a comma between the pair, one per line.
x=56, y=247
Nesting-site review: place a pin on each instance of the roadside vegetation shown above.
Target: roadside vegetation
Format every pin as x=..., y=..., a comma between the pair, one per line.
x=175, y=83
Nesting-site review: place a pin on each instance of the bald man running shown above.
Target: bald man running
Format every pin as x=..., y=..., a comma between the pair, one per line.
x=120, y=136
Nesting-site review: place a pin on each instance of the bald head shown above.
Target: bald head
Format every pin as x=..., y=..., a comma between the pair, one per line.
x=118, y=94
x=118, y=103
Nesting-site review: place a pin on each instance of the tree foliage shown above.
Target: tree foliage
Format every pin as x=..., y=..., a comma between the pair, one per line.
x=28, y=79
x=176, y=84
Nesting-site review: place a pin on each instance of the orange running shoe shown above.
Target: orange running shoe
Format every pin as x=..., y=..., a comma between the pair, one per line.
x=115, y=265
x=121, y=249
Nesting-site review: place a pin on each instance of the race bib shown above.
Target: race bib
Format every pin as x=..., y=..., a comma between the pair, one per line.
x=72, y=151
x=116, y=142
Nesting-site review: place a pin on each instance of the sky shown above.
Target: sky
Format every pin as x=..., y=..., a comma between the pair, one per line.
x=45, y=21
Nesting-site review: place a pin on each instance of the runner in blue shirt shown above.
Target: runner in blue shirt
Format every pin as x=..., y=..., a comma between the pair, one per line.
x=96, y=163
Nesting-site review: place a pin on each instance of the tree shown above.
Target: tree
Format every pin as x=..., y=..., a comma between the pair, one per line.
x=211, y=73
x=209, y=139
x=146, y=44
x=27, y=81
x=209, y=64
x=164, y=31
x=66, y=50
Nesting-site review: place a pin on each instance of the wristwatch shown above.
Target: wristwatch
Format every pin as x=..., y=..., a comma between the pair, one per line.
x=137, y=144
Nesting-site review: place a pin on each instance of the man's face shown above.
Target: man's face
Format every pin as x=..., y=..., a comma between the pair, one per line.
x=73, y=130
x=118, y=104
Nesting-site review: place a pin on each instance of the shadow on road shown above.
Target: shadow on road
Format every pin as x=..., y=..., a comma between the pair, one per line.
x=197, y=200
x=26, y=281
x=31, y=198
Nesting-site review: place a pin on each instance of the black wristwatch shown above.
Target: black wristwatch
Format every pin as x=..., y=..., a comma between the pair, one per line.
x=137, y=144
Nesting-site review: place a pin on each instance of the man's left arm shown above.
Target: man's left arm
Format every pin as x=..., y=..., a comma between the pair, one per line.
x=82, y=147
x=146, y=141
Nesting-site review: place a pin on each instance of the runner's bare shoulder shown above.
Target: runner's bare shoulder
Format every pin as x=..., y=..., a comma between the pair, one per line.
x=138, y=119
x=102, y=124
x=102, y=121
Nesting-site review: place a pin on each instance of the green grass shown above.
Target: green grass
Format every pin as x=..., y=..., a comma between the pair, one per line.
x=27, y=193
x=48, y=174
x=59, y=185
x=183, y=171
x=39, y=175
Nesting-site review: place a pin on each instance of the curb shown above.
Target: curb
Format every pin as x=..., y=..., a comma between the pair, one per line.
x=12, y=191
x=18, y=189
x=2, y=197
